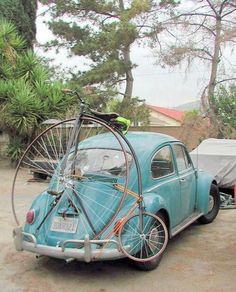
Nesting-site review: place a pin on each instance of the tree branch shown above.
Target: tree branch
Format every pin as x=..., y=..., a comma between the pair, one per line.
x=121, y=93
x=222, y=6
x=196, y=14
x=229, y=21
x=229, y=12
x=204, y=51
x=201, y=56
x=199, y=25
x=212, y=7
x=203, y=26
x=225, y=80
x=44, y=12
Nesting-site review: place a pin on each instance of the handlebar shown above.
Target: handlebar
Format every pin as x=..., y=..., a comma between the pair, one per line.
x=74, y=92
x=117, y=121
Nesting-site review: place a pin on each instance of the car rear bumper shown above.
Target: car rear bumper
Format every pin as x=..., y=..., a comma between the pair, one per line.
x=87, y=253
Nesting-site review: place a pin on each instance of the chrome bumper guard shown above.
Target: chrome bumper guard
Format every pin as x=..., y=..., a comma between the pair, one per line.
x=86, y=253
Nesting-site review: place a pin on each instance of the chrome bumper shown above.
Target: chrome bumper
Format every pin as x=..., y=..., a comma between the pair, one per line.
x=87, y=253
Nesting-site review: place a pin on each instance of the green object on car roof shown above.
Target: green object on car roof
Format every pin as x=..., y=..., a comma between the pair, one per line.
x=124, y=123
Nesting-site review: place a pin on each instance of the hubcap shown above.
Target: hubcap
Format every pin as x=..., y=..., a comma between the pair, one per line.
x=211, y=203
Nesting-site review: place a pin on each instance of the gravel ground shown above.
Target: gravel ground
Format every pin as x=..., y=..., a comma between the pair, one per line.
x=201, y=258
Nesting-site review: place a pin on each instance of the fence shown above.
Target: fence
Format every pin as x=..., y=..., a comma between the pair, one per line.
x=190, y=138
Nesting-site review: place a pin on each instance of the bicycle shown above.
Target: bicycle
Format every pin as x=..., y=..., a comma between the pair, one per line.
x=79, y=179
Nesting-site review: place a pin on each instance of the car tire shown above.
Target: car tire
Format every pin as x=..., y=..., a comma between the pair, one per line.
x=147, y=266
x=152, y=264
x=214, y=206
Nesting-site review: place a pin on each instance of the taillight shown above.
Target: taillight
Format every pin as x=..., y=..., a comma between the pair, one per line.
x=117, y=226
x=30, y=216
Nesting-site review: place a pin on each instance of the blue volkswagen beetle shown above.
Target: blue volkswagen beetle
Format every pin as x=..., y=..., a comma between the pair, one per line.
x=93, y=213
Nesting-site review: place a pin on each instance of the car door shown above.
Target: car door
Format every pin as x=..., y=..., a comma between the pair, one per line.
x=187, y=179
x=165, y=181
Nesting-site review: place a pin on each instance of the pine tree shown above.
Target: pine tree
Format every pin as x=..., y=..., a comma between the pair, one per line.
x=22, y=13
x=104, y=31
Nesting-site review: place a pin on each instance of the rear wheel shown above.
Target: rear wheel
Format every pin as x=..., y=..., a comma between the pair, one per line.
x=214, y=206
x=147, y=266
x=144, y=243
x=151, y=264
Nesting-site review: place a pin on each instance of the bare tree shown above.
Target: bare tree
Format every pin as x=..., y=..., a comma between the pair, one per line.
x=201, y=29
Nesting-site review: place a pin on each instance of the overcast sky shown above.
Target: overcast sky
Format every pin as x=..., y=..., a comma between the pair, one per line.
x=160, y=87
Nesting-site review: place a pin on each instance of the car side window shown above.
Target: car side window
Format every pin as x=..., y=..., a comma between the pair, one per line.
x=182, y=159
x=162, y=163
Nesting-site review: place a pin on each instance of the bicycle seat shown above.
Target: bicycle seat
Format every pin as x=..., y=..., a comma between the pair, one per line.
x=105, y=116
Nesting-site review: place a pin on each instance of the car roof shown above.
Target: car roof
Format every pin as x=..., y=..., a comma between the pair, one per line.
x=142, y=142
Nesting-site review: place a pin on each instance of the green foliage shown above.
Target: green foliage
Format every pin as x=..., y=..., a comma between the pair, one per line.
x=199, y=34
x=191, y=114
x=22, y=13
x=27, y=96
x=10, y=45
x=104, y=44
x=224, y=103
x=133, y=110
x=103, y=32
x=195, y=128
x=22, y=109
x=15, y=149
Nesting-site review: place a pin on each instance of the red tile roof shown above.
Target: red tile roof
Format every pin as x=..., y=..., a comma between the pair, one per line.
x=171, y=113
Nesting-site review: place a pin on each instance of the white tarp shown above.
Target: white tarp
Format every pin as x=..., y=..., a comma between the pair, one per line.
x=217, y=157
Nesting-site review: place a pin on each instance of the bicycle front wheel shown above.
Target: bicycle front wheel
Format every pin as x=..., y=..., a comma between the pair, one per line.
x=83, y=174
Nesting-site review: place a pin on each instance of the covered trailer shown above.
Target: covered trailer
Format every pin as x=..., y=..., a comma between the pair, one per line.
x=218, y=158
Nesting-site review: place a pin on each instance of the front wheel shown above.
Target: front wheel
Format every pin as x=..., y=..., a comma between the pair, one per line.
x=214, y=206
x=81, y=171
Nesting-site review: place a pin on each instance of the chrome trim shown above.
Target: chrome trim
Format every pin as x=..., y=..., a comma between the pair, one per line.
x=86, y=240
x=168, y=181
x=87, y=253
x=186, y=174
x=182, y=227
x=163, y=183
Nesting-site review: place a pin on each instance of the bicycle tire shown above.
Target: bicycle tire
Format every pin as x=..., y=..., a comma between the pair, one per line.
x=146, y=245
x=86, y=119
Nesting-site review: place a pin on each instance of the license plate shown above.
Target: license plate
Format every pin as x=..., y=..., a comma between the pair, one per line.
x=67, y=225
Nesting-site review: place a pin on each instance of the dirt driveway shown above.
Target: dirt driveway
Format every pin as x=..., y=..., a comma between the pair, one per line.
x=201, y=258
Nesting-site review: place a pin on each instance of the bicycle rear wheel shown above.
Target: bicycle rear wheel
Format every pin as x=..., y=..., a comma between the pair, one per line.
x=143, y=241
x=84, y=180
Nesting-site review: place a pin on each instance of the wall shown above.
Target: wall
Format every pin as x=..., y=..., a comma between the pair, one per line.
x=191, y=139
x=158, y=119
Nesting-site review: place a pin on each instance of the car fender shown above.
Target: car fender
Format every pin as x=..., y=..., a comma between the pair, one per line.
x=40, y=204
x=204, y=181
x=153, y=203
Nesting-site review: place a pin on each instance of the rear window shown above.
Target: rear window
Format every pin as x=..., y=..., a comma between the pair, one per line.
x=101, y=161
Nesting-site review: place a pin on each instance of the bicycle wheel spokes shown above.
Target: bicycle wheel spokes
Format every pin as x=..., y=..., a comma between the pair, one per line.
x=146, y=243
x=82, y=172
x=97, y=160
x=37, y=165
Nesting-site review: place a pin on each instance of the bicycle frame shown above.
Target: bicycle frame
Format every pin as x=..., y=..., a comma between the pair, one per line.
x=84, y=108
x=86, y=115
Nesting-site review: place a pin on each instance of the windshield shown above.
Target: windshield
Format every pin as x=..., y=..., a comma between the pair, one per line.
x=101, y=161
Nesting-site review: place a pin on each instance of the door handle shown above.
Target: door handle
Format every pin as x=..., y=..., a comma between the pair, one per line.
x=182, y=179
